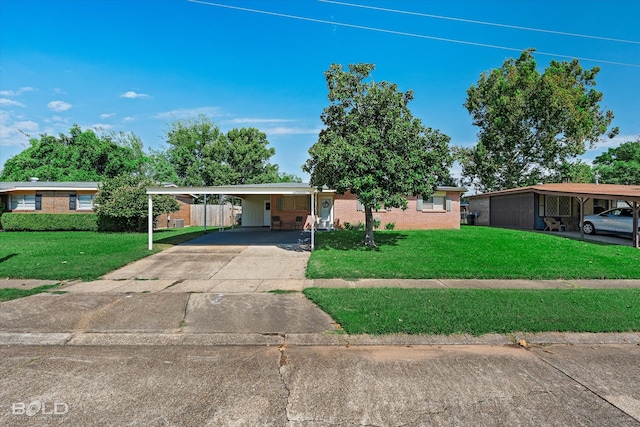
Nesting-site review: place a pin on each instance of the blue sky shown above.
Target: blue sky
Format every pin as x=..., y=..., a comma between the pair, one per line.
x=138, y=65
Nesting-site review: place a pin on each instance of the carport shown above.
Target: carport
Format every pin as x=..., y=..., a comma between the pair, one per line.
x=240, y=192
x=518, y=204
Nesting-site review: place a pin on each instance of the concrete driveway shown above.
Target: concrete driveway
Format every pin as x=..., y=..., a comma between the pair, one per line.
x=240, y=260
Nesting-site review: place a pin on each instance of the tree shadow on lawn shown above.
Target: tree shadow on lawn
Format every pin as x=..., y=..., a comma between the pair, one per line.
x=8, y=257
x=352, y=240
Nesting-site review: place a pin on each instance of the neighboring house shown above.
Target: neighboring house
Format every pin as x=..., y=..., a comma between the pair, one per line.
x=527, y=207
x=289, y=205
x=48, y=197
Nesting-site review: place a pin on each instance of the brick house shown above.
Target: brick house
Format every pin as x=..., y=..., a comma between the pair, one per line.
x=288, y=206
x=48, y=197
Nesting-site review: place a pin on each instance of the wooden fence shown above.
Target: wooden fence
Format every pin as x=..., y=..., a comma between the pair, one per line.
x=217, y=215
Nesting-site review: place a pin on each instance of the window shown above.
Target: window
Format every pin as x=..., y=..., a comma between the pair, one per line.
x=557, y=206
x=85, y=201
x=294, y=203
x=72, y=202
x=434, y=203
x=23, y=202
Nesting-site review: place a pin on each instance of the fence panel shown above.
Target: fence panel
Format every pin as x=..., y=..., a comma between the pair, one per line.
x=217, y=215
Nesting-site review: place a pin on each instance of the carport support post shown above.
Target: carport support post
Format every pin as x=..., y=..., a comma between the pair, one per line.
x=581, y=201
x=150, y=225
x=205, y=213
x=313, y=220
x=636, y=239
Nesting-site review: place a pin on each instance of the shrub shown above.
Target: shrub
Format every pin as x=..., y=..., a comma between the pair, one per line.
x=390, y=226
x=48, y=222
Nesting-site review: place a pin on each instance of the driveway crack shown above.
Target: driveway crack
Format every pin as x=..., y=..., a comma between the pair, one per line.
x=585, y=386
x=282, y=367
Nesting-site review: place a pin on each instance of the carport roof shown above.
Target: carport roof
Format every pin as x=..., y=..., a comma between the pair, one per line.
x=630, y=193
x=241, y=190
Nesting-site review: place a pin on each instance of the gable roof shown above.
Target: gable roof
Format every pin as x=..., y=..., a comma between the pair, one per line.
x=595, y=191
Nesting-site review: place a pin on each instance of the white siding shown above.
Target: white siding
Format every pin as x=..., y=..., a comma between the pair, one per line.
x=253, y=210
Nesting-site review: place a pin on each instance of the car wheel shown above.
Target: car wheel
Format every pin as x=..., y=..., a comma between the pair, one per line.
x=588, y=228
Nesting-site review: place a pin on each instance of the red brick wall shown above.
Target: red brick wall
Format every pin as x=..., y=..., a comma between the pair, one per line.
x=287, y=217
x=345, y=210
x=184, y=213
x=55, y=201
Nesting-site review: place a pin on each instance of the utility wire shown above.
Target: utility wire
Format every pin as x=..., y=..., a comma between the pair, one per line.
x=471, y=21
x=402, y=33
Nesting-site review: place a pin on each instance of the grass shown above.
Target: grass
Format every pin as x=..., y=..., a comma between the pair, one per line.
x=469, y=253
x=479, y=311
x=84, y=255
x=7, y=294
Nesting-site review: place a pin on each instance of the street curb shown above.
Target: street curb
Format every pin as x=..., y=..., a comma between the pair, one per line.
x=329, y=339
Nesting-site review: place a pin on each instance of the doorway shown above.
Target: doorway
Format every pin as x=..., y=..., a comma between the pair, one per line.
x=267, y=213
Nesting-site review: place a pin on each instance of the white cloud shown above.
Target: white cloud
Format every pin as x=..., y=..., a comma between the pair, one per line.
x=257, y=120
x=16, y=92
x=284, y=130
x=188, y=113
x=606, y=143
x=101, y=126
x=128, y=119
x=7, y=101
x=59, y=106
x=107, y=115
x=59, y=91
x=132, y=95
x=12, y=132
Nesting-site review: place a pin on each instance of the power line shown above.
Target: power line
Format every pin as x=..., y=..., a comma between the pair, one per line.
x=402, y=33
x=471, y=21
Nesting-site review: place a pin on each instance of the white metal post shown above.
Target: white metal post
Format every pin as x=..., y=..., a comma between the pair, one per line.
x=313, y=220
x=205, y=213
x=150, y=226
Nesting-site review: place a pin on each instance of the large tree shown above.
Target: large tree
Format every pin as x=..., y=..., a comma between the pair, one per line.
x=372, y=146
x=620, y=165
x=200, y=154
x=79, y=156
x=122, y=204
x=531, y=124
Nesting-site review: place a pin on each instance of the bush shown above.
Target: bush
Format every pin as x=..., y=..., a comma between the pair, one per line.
x=49, y=222
x=390, y=226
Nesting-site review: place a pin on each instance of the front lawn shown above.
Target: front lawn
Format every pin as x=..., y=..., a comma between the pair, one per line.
x=469, y=253
x=479, y=311
x=84, y=255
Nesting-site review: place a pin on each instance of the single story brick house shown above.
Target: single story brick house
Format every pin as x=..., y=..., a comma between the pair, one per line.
x=36, y=196
x=288, y=206
x=48, y=197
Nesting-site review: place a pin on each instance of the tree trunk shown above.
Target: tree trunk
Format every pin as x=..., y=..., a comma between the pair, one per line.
x=368, y=235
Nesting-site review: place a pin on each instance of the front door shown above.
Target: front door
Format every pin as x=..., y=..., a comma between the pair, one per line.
x=326, y=211
x=267, y=213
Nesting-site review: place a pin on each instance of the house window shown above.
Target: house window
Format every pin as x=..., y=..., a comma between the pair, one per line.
x=294, y=203
x=25, y=202
x=557, y=206
x=85, y=201
x=72, y=202
x=434, y=203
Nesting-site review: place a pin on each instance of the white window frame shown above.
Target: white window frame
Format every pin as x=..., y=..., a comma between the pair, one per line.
x=84, y=202
x=22, y=202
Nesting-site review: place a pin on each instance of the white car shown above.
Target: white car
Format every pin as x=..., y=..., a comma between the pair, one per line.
x=618, y=220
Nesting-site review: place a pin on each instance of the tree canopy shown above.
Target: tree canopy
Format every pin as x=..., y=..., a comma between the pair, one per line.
x=372, y=146
x=620, y=165
x=200, y=154
x=532, y=124
x=79, y=156
x=122, y=204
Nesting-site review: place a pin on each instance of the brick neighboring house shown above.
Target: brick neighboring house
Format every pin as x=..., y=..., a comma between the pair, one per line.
x=35, y=197
x=48, y=197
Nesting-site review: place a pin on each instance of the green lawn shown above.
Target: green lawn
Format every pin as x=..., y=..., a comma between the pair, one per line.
x=7, y=294
x=479, y=311
x=85, y=255
x=471, y=252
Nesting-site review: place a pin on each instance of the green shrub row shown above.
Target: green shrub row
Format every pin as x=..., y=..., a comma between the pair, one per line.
x=49, y=222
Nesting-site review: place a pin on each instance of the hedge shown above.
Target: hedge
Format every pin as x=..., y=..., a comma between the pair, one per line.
x=48, y=222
